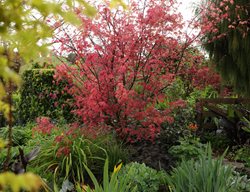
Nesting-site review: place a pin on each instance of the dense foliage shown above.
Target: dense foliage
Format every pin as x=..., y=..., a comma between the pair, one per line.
x=124, y=62
x=65, y=149
x=144, y=178
x=131, y=74
x=205, y=174
x=41, y=96
x=225, y=25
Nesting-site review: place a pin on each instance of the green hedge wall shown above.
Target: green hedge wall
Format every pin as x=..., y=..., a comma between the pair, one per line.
x=41, y=96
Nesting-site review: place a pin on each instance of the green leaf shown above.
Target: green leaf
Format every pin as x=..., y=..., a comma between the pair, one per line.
x=116, y=3
x=71, y=18
x=93, y=178
x=106, y=176
x=247, y=129
x=89, y=10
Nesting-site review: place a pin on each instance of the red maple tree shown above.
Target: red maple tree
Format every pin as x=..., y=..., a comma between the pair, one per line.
x=124, y=62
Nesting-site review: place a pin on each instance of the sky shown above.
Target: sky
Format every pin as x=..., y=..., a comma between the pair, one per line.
x=186, y=8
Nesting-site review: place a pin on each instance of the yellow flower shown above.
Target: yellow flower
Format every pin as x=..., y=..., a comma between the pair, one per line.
x=117, y=168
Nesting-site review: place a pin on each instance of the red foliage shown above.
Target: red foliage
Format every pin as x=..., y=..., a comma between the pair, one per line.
x=195, y=71
x=44, y=125
x=124, y=62
x=65, y=150
x=204, y=77
x=213, y=13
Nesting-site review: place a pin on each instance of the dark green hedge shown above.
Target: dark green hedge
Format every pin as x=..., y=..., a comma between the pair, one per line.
x=41, y=96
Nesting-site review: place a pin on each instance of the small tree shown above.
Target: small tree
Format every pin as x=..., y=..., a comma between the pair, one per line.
x=125, y=60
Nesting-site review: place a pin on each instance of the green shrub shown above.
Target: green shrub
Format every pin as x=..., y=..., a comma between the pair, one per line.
x=3, y=154
x=183, y=117
x=243, y=154
x=40, y=96
x=144, y=178
x=20, y=134
x=188, y=148
x=170, y=133
x=176, y=90
x=242, y=182
x=219, y=141
x=206, y=175
x=207, y=92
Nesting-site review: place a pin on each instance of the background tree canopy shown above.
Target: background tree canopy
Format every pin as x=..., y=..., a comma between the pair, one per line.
x=228, y=42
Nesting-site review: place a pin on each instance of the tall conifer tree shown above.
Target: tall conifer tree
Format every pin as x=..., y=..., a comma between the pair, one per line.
x=228, y=41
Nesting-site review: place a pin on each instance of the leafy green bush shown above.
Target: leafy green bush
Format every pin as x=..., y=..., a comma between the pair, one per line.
x=188, y=148
x=40, y=96
x=207, y=92
x=20, y=134
x=176, y=90
x=242, y=181
x=183, y=117
x=144, y=178
x=170, y=133
x=206, y=175
x=20, y=137
x=219, y=141
x=243, y=154
x=3, y=155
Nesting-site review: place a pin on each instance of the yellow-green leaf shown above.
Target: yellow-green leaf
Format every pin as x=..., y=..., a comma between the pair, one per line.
x=26, y=181
x=71, y=18
x=89, y=10
x=2, y=143
x=116, y=3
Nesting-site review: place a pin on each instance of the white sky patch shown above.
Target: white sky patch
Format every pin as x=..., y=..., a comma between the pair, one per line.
x=187, y=8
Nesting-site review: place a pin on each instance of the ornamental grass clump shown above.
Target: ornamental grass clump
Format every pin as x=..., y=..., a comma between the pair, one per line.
x=205, y=174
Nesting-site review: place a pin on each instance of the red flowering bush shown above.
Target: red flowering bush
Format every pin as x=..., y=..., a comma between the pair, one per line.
x=125, y=60
x=197, y=72
x=64, y=136
x=204, y=77
x=47, y=128
x=44, y=125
